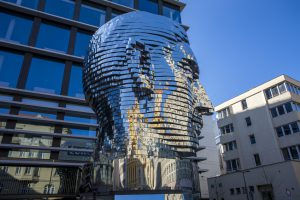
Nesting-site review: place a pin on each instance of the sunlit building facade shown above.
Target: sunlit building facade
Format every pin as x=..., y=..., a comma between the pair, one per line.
x=45, y=122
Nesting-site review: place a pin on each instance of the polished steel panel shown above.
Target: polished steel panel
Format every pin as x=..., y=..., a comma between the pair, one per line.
x=142, y=80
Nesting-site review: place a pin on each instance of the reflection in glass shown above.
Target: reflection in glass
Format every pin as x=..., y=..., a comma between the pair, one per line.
x=172, y=12
x=29, y=154
x=81, y=44
x=37, y=114
x=128, y=3
x=92, y=15
x=4, y=110
x=10, y=66
x=88, y=120
x=45, y=76
x=75, y=85
x=53, y=38
x=32, y=180
x=30, y=140
x=91, y=132
x=11, y=25
x=39, y=102
x=34, y=127
x=81, y=145
x=149, y=6
x=26, y=3
x=63, y=8
x=79, y=108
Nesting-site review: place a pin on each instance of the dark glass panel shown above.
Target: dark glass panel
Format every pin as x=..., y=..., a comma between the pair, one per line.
x=81, y=44
x=88, y=120
x=172, y=12
x=10, y=26
x=279, y=131
x=288, y=107
x=149, y=6
x=274, y=112
x=286, y=154
x=10, y=66
x=92, y=15
x=37, y=114
x=280, y=110
x=53, y=38
x=26, y=3
x=38, y=102
x=45, y=76
x=295, y=127
x=63, y=8
x=80, y=131
x=287, y=130
x=128, y=3
x=294, y=152
x=75, y=86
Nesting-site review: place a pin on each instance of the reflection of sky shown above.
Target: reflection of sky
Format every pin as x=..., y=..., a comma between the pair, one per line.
x=140, y=197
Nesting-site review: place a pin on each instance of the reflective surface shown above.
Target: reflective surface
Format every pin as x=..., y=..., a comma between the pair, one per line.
x=141, y=78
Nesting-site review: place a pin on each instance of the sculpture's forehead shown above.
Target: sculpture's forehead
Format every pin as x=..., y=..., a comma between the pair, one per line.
x=141, y=25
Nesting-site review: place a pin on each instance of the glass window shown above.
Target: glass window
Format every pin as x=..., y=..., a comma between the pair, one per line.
x=53, y=38
x=34, y=127
x=274, y=112
x=257, y=159
x=252, y=139
x=281, y=88
x=10, y=67
x=4, y=110
x=295, y=127
x=280, y=110
x=82, y=132
x=115, y=13
x=248, y=121
x=38, y=102
x=288, y=107
x=268, y=94
x=11, y=25
x=128, y=3
x=37, y=114
x=172, y=12
x=75, y=86
x=63, y=8
x=28, y=140
x=92, y=15
x=149, y=6
x=287, y=130
x=279, y=131
x=244, y=104
x=275, y=91
x=294, y=152
x=81, y=44
x=286, y=154
x=88, y=120
x=39, y=78
x=26, y=3
x=79, y=108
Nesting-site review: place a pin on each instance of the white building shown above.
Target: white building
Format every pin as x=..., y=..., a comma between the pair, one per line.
x=259, y=135
x=210, y=166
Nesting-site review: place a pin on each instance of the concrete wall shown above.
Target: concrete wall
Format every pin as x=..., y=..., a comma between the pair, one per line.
x=282, y=177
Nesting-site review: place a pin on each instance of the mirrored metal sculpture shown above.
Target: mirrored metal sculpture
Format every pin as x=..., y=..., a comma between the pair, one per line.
x=142, y=80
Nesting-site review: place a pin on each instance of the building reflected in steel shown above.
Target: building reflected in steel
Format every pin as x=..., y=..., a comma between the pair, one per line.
x=142, y=80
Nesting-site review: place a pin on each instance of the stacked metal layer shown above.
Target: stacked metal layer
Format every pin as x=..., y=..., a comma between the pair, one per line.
x=142, y=80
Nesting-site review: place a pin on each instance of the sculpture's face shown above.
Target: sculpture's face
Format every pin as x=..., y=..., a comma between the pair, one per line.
x=141, y=78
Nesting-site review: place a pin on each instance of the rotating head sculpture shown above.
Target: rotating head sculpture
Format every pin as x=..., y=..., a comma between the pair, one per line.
x=142, y=80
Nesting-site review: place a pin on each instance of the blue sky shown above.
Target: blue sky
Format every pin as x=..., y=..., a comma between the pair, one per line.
x=240, y=44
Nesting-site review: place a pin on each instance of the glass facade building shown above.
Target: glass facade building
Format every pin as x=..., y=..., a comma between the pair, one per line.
x=45, y=122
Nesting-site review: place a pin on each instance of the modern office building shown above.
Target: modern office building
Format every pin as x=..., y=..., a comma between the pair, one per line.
x=259, y=143
x=47, y=129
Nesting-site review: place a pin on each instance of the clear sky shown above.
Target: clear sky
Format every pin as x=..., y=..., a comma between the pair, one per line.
x=240, y=44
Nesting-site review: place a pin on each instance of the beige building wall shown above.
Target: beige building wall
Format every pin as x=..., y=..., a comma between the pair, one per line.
x=249, y=140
